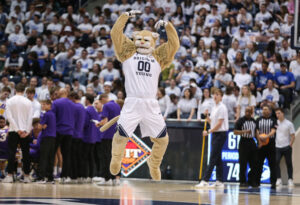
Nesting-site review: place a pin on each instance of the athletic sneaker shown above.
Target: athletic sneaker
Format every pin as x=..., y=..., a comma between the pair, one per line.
x=8, y=179
x=290, y=183
x=278, y=182
x=41, y=181
x=202, y=184
x=98, y=179
x=116, y=182
x=105, y=183
x=218, y=184
x=26, y=180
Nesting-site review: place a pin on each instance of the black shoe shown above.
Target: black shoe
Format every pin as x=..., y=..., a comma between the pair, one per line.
x=244, y=184
x=273, y=186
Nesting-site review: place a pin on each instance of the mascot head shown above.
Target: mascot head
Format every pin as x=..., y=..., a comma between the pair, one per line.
x=145, y=41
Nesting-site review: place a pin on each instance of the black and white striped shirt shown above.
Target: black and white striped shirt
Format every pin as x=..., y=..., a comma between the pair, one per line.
x=264, y=125
x=246, y=124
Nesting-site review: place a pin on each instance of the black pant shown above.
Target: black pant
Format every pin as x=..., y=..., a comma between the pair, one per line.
x=247, y=154
x=47, y=154
x=287, y=94
x=269, y=152
x=218, y=140
x=88, y=160
x=76, y=158
x=287, y=153
x=13, y=140
x=107, y=146
x=98, y=159
x=65, y=143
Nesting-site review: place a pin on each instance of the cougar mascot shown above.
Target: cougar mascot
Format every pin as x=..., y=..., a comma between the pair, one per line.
x=142, y=64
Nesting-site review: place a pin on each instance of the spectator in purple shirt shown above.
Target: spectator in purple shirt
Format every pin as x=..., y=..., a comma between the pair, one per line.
x=47, y=143
x=110, y=110
x=76, y=150
x=89, y=138
x=63, y=109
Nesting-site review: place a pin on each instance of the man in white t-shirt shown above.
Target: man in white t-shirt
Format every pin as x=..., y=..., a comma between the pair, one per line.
x=243, y=78
x=110, y=73
x=241, y=37
x=285, y=137
x=205, y=62
x=173, y=89
x=186, y=74
x=85, y=27
x=86, y=62
x=17, y=38
x=107, y=90
x=55, y=27
x=111, y=6
x=270, y=95
x=222, y=79
x=295, y=69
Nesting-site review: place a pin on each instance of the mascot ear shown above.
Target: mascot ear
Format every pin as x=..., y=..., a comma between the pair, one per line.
x=155, y=35
x=134, y=34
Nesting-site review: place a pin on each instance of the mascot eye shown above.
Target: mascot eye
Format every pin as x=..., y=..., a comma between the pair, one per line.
x=146, y=39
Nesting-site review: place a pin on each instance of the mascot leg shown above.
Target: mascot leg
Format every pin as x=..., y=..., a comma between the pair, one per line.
x=118, y=147
x=158, y=150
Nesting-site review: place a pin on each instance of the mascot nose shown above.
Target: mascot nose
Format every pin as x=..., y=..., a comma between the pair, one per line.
x=142, y=42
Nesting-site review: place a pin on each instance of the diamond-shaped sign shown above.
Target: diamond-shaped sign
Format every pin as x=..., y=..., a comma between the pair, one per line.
x=136, y=154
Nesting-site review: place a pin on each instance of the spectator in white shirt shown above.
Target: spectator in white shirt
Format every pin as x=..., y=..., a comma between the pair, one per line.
x=48, y=15
x=70, y=13
x=147, y=14
x=55, y=27
x=186, y=106
x=93, y=49
x=205, y=104
x=20, y=3
x=212, y=17
x=68, y=38
x=36, y=106
x=295, y=69
x=270, y=95
x=86, y=62
x=19, y=115
x=101, y=24
x=111, y=6
x=222, y=79
x=10, y=27
x=35, y=24
x=202, y=4
x=138, y=5
x=17, y=38
x=108, y=49
x=63, y=62
x=124, y=7
x=41, y=50
x=244, y=17
x=262, y=15
x=85, y=27
x=246, y=99
x=186, y=74
x=107, y=90
x=100, y=59
x=231, y=54
x=242, y=78
x=173, y=89
x=286, y=52
x=241, y=37
x=13, y=64
x=109, y=73
x=169, y=7
x=164, y=102
x=95, y=84
x=207, y=38
x=231, y=103
x=205, y=62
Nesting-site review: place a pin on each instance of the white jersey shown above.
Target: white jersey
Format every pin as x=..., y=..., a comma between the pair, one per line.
x=141, y=76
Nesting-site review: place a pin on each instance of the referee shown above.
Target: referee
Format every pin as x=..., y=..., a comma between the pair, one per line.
x=219, y=127
x=245, y=127
x=266, y=125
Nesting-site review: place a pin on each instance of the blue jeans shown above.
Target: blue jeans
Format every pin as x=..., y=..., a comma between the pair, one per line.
x=218, y=140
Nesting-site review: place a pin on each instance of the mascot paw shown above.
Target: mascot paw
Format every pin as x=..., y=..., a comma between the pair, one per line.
x=115, y=166
x=154, y=172
x=133, y=13
x=160, y=23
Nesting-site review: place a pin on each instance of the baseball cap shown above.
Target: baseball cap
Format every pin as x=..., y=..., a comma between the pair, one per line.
x=244, y=65
x=193, y=85
x=283, y=64
x=188, y=64
x=107, y=83
x=243, y=26
x=14, y=16
x=68, y=28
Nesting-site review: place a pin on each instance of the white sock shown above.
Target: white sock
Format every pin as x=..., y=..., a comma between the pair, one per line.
x=59, y=169
x=19, y=170
x=54, y=171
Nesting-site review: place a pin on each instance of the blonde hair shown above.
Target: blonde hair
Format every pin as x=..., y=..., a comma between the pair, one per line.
x=249, y=94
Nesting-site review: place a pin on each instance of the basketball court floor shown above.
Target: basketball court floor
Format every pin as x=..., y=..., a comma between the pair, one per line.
x=144, y=192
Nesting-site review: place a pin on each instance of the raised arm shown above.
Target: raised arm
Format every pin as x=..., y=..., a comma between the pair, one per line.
x=165, y=53
x=124, y=47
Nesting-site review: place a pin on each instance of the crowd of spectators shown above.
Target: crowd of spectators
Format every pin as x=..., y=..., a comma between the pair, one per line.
x=240, y=46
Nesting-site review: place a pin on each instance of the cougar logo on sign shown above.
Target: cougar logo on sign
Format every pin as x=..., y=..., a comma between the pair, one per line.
x=136, y=154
